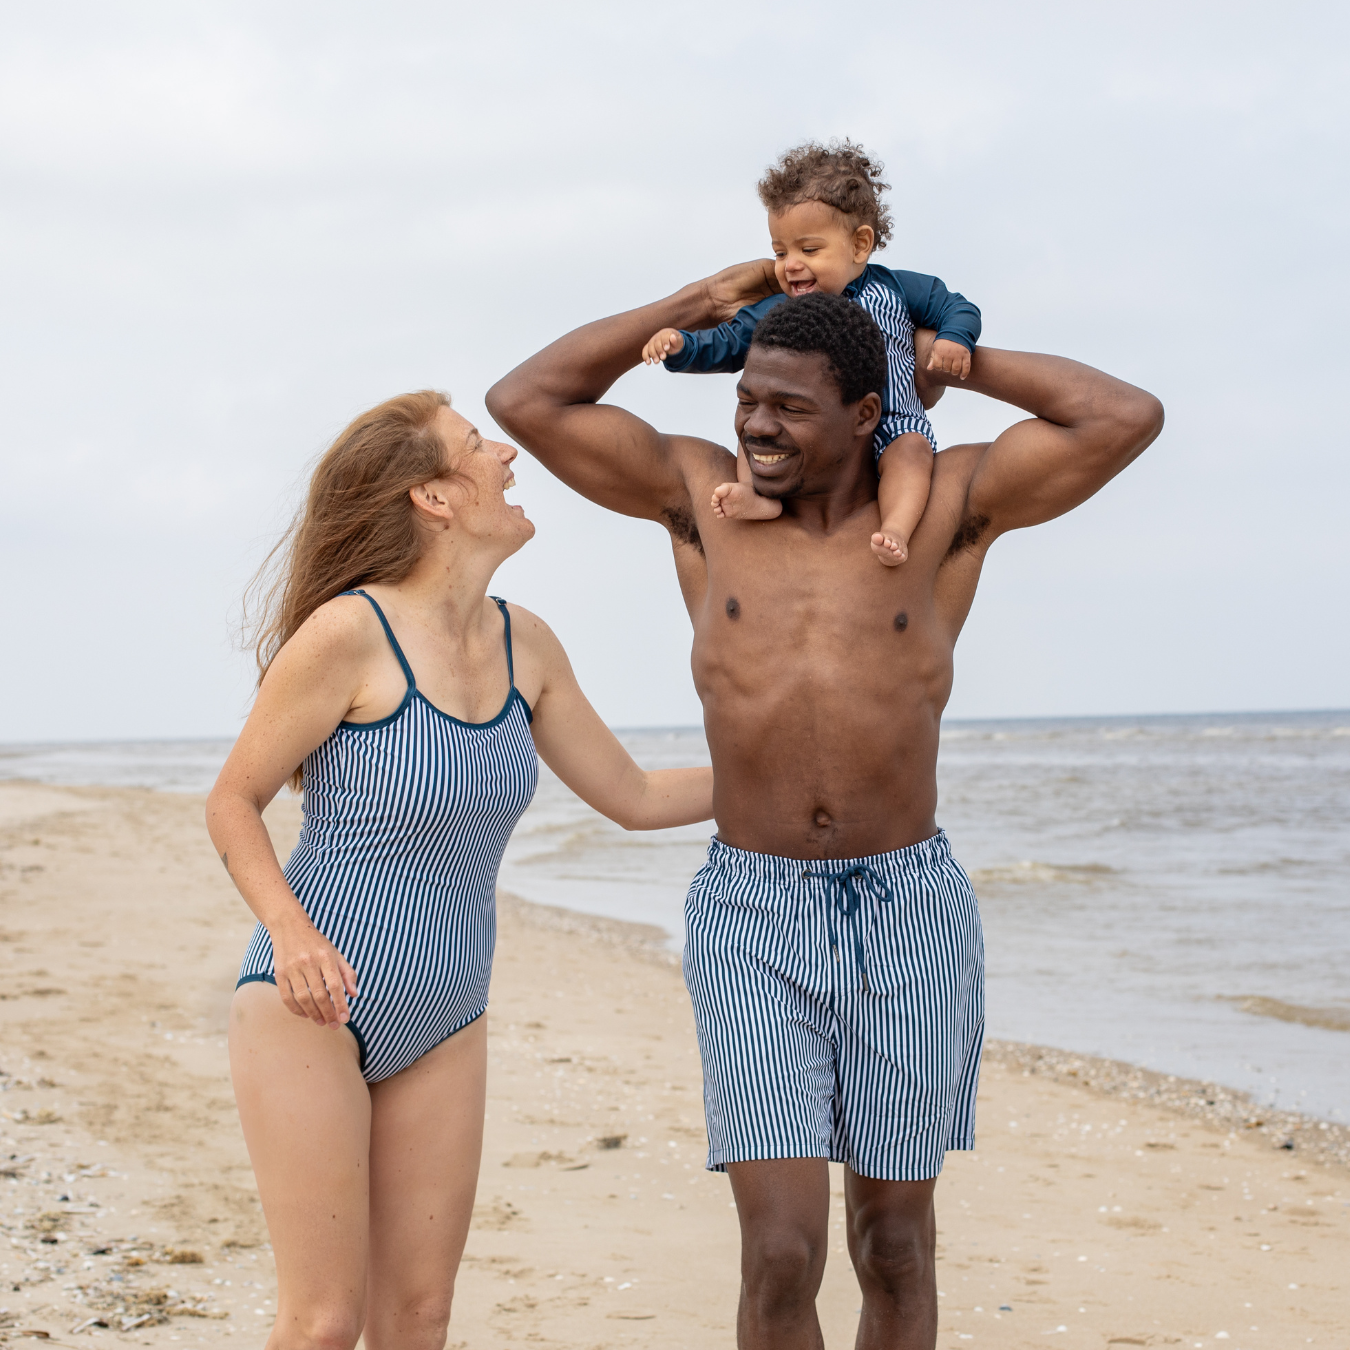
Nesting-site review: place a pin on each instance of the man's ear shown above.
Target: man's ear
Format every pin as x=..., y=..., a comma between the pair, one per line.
x=431, y=504
x=864, y=241
x=869, y=414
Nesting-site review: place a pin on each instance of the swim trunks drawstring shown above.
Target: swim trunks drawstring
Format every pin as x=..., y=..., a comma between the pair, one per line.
x=848, y=901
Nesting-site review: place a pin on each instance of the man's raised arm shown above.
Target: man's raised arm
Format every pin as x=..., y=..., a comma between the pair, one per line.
x=550, y=402
x=1086, y=426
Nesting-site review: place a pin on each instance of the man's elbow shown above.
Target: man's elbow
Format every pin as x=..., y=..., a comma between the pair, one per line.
x=1131, y=423
x=500, y=402
x=1143, y=419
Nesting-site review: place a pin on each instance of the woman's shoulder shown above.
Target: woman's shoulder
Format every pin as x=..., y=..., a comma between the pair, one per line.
x=537, y=654
x=529, y=631
x=345, y=626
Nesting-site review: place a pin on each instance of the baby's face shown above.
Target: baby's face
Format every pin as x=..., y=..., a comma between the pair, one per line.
x=816, y=250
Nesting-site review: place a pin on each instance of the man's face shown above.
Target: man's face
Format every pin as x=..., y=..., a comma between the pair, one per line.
x=797, y=433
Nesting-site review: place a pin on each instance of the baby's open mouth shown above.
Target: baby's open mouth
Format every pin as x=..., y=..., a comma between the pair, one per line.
x=801, y=287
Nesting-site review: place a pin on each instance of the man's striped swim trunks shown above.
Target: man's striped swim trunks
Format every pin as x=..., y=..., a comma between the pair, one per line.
x=839, y=1007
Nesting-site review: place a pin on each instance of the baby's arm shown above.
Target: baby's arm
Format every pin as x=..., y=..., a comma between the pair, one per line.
x=955, y=319
x=906, y=469
x=710, y=351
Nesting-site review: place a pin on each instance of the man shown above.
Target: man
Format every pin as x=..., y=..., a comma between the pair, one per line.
x=834, y=954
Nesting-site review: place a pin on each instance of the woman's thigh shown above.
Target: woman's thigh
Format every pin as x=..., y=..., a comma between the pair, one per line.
x=305, y=1110
x=426, y=1141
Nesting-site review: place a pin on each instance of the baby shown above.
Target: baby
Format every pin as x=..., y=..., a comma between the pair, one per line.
x=826, y=219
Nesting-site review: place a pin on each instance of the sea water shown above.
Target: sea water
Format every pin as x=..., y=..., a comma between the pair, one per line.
x=1164, y=890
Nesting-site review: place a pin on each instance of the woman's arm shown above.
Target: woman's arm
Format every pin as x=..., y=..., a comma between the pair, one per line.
x=308, y=690
x=586, y=754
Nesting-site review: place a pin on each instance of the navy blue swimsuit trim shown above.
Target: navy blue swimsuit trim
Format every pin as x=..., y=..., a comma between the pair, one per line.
x=512, y=695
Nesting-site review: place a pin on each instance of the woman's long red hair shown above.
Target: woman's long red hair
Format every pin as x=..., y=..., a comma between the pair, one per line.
x=357, y=524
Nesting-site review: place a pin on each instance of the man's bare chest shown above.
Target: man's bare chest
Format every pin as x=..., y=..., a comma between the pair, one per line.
x=780, y=602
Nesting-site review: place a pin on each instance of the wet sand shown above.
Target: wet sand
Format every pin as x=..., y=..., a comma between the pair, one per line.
x=1103, y=1206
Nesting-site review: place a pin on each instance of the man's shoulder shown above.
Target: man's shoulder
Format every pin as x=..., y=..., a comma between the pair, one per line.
x=702, y=465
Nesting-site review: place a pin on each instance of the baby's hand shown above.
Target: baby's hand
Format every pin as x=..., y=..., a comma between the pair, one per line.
x=669, y=341
x=949, y=357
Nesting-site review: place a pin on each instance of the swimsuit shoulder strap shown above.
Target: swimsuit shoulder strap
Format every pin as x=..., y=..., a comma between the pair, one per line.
x=506, y=619
x=393, y=641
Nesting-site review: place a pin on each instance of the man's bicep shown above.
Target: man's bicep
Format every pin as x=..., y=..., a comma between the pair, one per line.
x=1087, y=426
x=1027, y=475
x=612, y=457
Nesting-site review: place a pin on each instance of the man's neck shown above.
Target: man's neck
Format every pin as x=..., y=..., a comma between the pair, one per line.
x=826, y=508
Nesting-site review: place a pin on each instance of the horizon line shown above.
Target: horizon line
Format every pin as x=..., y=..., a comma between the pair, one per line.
x=694, y=726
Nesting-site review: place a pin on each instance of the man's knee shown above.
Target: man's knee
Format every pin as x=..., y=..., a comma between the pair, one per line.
x=895, y=1253
x=782, y=1265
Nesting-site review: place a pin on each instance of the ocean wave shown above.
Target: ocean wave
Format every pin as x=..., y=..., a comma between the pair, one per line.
x=1329, y=1019
x=1029, y=871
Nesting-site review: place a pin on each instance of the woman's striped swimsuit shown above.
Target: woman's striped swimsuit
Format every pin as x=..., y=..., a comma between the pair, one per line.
x=405, y=823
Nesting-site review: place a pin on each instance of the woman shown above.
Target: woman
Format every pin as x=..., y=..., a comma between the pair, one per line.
x=410, y=704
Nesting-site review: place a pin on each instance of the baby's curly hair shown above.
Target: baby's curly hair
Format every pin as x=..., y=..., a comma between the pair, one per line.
x=839, y=174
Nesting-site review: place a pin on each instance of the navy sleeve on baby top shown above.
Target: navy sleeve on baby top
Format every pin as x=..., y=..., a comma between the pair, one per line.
x=932, y=305
x=713, y=351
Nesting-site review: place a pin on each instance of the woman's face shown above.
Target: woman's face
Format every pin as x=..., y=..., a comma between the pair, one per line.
x=479, y=504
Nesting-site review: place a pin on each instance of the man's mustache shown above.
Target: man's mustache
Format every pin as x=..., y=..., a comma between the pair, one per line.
x=759, y=443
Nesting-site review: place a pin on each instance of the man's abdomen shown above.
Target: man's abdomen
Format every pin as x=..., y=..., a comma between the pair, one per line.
x=815, y=771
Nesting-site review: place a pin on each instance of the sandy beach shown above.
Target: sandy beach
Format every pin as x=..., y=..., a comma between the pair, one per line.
x=1103, y=1206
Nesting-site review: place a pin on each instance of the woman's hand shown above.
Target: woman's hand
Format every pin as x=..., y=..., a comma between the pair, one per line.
x=313, y=977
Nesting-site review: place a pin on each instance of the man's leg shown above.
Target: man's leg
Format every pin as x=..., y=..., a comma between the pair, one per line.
x=892, y=1238
x=784, y=1208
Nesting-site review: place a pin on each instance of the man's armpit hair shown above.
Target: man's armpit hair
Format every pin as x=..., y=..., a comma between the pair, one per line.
x=968, y=533
x=680, y=523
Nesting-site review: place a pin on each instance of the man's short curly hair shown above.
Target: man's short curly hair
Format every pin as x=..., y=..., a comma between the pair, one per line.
x=839, y=174
x=844, y=333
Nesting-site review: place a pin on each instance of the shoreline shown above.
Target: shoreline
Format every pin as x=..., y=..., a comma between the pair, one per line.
x=1208, y=1103
x=1201, y=1099
x=1091, y=1202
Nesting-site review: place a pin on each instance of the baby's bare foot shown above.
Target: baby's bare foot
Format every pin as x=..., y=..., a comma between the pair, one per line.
x=739, y=501
x=890, y=546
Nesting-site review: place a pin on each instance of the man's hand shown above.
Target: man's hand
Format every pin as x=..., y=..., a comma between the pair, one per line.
x=663, y=344
x=951, y=358
x=734, y=287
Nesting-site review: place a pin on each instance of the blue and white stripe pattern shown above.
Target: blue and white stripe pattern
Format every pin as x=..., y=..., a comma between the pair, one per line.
x=839, y=1007
x=902, y=410
x=405, y=823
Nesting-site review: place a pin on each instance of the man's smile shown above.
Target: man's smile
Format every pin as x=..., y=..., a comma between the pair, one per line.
x=766, y=459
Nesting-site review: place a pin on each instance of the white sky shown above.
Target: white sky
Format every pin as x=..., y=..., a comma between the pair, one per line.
x=226, y=228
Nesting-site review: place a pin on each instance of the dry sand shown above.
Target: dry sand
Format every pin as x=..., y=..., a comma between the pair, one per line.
x=1103, y=1206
